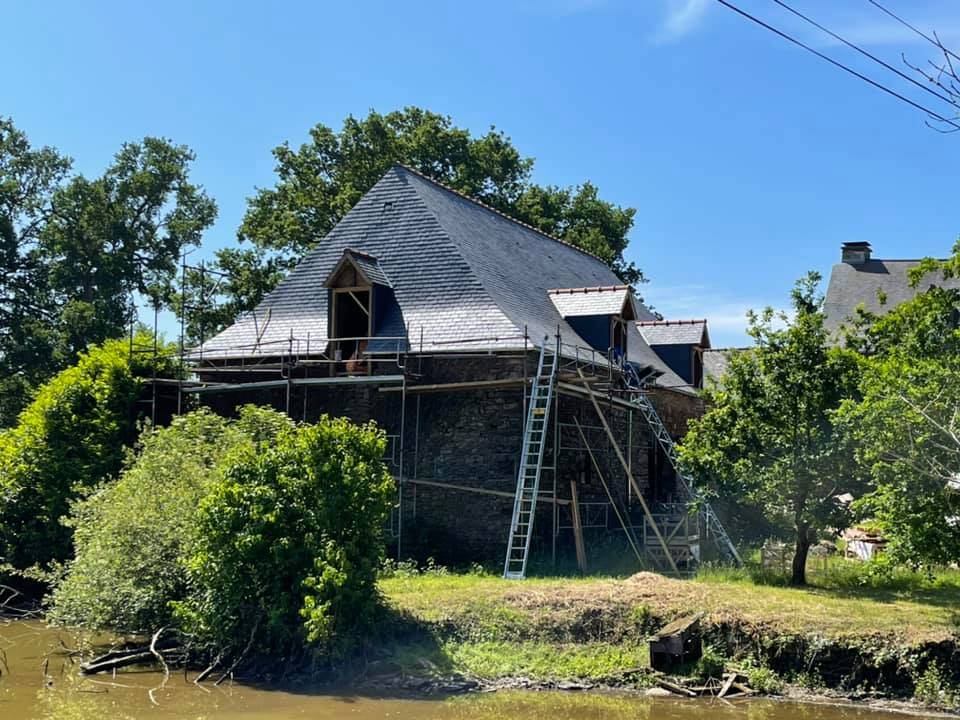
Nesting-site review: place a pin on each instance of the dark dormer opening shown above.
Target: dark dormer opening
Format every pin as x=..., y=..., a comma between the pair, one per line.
x=351, y=286
x=855, y=253
x=619, y=327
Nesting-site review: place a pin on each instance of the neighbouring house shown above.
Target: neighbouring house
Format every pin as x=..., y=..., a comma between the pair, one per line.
x=430, y=313
x=860, y=279
x=680, y=344
x=715, y=362
x=863, y=543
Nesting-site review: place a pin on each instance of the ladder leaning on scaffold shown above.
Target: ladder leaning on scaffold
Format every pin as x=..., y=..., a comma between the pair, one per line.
x=650, y=414
x=531, y=464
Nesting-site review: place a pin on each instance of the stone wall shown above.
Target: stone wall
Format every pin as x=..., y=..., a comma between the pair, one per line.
x=676, y=409
x=471, y=438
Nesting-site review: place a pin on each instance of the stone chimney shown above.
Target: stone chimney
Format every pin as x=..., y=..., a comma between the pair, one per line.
x=855, y=253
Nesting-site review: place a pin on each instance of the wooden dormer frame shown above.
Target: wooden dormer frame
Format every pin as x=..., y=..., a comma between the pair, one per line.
x=359, y=282
x=628, y=314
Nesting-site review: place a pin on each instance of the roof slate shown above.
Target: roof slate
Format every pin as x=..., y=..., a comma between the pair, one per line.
x=464, y=277
x=715, y=362
x=675, y=332
x=851, y=285
x=370, y=267
x=578, y=302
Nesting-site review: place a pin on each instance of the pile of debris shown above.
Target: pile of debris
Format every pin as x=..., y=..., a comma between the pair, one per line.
x=733, y=685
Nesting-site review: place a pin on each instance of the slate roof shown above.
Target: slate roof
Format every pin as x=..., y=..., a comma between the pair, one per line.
x=675, y=332
x=578, y=302
x=715, y=362
x=368, y=265
x=852, y=284
x=464, y=276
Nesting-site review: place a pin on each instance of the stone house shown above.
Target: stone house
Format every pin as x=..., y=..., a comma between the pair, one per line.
x=878, y=285
x=429, y=313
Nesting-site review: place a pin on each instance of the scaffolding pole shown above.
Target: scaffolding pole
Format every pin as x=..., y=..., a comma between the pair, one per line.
x=623, y=462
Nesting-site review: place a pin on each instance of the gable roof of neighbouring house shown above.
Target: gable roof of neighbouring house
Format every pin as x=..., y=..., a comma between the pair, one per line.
x=863, y=279
x=675, y=332
x=716, y=361
x=464, y=276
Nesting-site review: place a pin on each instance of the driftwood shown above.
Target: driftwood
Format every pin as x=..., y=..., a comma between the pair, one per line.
x=236, y=663
x=115, y=660
x=144, y=655
x=731, y=677
x=713, y=688
x=674, y=688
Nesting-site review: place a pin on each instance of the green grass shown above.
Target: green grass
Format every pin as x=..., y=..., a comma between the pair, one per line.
x=540, y=660
x=846, y=601
x=594, y=628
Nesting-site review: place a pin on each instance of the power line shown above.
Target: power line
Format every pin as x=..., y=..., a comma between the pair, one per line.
x=922, y=34
x=863, y=52
x=836, y=63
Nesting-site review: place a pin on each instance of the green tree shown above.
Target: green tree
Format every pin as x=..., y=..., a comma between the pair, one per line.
x=70, y=437
x=290, y=540
x=768, y=435
x=132, y=535
x=29, y=178
x=321, y=180
x=906, y=426
x=74, y=253
x=120, y=234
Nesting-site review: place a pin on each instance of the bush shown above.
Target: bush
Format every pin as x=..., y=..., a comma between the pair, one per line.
x=69, y=438
x=289, y=541
x=131, y=535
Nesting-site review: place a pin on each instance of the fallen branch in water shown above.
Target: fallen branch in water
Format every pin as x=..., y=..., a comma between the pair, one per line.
x=116, y=660
x=253, y=634
x=206, y=673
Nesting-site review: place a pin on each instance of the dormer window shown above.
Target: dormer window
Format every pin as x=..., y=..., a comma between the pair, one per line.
x=353, y=285
x=600, y=315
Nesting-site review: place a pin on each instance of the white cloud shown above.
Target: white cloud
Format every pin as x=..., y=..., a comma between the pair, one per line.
x=726, y=316
x=682, y=17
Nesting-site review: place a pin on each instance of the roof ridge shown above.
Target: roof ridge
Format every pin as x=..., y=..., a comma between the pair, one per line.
x=585, y=290
x=693, y=321
x=494, y=210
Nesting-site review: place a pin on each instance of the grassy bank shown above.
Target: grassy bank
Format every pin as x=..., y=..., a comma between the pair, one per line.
x=851, y=632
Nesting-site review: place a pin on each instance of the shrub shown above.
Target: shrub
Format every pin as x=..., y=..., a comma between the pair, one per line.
x=131, y=535
x=289, y=541
x=711, y=663
x=70, y=437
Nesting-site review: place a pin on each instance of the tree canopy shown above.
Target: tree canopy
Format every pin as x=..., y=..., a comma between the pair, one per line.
x=320, y=181
x=906, y=426
x=768, y=436
x=71, y=436
x=76, y=252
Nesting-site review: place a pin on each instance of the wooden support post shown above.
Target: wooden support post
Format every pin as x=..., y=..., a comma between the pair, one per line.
x=613, y=504
x=626, y=469
x=577, y=528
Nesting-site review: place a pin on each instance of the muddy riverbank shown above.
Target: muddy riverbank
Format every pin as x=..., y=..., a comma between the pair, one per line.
x=39, y=680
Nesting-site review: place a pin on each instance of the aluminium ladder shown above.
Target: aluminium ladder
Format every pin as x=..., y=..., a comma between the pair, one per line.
x=531, y=464
x=713, y=524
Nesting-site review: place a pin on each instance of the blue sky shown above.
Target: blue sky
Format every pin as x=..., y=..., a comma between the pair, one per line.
x=749, y=160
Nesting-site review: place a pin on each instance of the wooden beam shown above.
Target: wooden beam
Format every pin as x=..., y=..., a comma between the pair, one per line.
x=357, y=300
x=626, y=469
x=596, y=466
x=577, y=529
x=480, y=491
x=466, y=385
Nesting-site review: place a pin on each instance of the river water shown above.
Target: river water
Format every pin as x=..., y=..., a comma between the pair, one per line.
x=40, y=681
